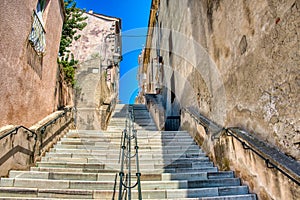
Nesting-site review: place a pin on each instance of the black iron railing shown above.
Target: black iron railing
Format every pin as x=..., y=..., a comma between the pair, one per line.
x=237, y=133
x=129, y=135
x=44, y=127
x=15, y=131
x=17, y=148
x=30, y=133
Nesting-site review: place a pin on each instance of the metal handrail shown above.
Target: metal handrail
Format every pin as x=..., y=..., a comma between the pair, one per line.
x=43, y=128
x=231, y=132
x=115, y=186
x=34, y=134
x=15, y=131
x=269, y=164
x=128, y=135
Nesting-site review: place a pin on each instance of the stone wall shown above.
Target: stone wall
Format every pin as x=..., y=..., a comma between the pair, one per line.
x=27, y=81
x=97, y=74
x=236, y=62
x=64, y=91
x=228, y=153
x=156, y=110
x=22, y=149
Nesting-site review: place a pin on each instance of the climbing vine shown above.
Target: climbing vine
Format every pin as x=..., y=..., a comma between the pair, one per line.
x=74, y=21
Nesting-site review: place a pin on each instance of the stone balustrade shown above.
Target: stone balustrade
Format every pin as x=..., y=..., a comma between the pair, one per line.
x=21, y=149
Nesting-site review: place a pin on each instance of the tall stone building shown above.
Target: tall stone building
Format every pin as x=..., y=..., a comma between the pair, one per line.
x=99, y=53
x=30, y=33
x=234, y=62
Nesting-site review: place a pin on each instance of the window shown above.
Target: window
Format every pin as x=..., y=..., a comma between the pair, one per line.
x=37, y=34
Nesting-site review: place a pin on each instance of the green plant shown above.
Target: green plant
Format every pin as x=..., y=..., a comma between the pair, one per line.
x=69, y=70
x=74, y=21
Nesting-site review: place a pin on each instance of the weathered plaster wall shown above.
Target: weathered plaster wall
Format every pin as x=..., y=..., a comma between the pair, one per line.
x=95, y=50
x=27, y=87
x=21, y=150
x=229, y=154
x=236, y=62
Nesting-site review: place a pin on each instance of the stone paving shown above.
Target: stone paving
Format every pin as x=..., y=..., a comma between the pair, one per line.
x=85, y=165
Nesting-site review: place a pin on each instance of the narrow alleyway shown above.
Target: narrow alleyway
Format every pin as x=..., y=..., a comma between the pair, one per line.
x=85, y=165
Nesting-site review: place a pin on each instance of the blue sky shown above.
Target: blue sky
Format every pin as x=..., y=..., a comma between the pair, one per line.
x=134, y=15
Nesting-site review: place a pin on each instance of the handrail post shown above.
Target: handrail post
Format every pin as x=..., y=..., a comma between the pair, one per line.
x=121, y=174
x=128, y=135
x=138, y=174
x=129, y=162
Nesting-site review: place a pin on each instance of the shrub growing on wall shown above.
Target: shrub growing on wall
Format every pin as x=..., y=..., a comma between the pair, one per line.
x=74, y=21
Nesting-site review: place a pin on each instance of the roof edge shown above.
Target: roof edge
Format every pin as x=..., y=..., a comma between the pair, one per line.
x=107, y=17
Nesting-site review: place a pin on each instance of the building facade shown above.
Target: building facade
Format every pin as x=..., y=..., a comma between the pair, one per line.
x=30, y=37
x=236, y=63
x=236, y=72
x=99, y=53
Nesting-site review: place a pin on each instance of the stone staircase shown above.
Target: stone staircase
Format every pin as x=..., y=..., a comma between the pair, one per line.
x=85, y=165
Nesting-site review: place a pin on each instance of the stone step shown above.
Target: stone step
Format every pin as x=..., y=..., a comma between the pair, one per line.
x=103, y=150
x=138, y=113
x=189, y=170
x=117, y=135
x=114, y=155
x=141, y=116
x=96, y=159
x=143, y=171
x=91, y=185
x=114, y=147
x=84, y=165
x=63, y=175
x=29, y=193
x=213, y=193
x=111, y=176
x=121, y=128
x=141, y=132
x=142, y=143
x=115, y=158
x=158, y=147
x=142, y=126
x=76, y=170
x=72, y=165
x=139, y=122
x=115, y=164
x=90, y=145
x=141, y=138
x=143, y=167
x=197, y=175
x=107, y=185
x=228, y=197
x=155, y=149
